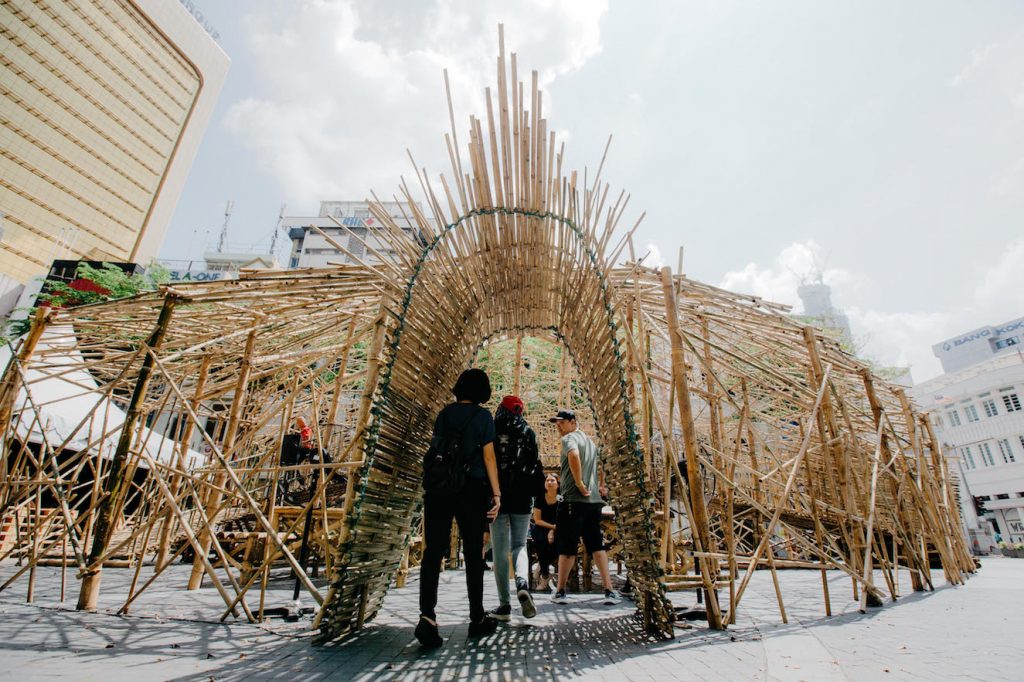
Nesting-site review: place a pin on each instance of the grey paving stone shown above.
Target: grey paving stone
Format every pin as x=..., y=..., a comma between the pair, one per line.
x=968, y=632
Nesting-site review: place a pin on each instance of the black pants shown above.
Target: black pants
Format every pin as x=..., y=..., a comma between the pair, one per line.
x=579, y=520
x=547, y=552
x=469, y=509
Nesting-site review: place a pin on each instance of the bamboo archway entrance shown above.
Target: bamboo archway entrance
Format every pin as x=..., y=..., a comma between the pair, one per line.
x=492, y=271
x=734, y=438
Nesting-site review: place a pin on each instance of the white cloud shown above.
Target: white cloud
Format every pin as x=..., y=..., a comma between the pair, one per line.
x=654, y=258
x=901, y=339
x=797, y=263
x=896, y=338
x=350, y=85
x=979, y=56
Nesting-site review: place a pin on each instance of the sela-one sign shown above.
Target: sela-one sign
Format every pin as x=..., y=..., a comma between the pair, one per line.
x=985, y=333
x=195, y=276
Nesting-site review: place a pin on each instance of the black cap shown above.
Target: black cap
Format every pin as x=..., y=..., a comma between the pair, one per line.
x=563, y=414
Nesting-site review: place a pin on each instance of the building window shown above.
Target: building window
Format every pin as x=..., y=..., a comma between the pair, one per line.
x=938, y=422
x=954, y=418
x=1021, y=439
x=968, y=457
x=1006, y=451
x=1012, y=402
x=990, y=407
x=972, y=412
x=986, y=455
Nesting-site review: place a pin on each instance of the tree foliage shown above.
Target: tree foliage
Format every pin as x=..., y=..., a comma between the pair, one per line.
x=92, y=285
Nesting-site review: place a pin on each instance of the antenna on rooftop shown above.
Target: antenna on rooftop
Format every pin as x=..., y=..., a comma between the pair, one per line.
x=277, y=230
x=224, y=229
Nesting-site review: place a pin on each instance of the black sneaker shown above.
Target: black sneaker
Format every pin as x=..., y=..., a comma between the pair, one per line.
x=611, y=597
x=426, y=632
x=560, y=597
x=502, y=613
x=525, y=600
x=485, y=626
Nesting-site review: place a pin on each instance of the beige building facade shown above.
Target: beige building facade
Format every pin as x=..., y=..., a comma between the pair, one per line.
x=103, y=104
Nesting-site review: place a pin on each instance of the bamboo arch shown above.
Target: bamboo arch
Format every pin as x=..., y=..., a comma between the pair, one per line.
x=471, y=283
x=734, y=437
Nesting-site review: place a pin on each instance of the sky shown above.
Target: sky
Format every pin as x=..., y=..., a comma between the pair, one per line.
x=876, y=144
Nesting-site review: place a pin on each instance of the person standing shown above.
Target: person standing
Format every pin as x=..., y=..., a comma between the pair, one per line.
x=579, y=514
x=519, y=472
x=460, y=481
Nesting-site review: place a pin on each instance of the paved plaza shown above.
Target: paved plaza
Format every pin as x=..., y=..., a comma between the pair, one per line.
x=969, y=632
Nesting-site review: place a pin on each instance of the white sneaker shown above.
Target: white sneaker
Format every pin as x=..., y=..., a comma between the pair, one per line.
x=560, y=598
x=611, y=597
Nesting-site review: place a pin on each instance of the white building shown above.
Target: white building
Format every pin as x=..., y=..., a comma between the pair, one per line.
x=349, y=224
x=218, y=265
x=979, y=344
x=978, y=415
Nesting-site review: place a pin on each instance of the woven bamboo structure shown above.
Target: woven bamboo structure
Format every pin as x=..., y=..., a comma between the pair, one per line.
x=727, y=430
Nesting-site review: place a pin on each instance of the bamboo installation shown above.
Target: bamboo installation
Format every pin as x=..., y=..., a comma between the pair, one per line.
x=727, y=429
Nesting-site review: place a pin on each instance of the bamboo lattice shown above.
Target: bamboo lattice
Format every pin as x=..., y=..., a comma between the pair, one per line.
x=730, y=434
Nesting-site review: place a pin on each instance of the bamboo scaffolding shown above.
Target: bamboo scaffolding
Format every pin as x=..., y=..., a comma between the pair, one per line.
x=732, y=437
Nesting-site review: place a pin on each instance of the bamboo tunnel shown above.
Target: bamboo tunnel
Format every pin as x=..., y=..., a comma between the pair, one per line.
x=732, y=437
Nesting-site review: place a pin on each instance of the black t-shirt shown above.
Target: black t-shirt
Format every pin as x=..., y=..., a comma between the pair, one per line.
x=477, y=426
x=548, y=512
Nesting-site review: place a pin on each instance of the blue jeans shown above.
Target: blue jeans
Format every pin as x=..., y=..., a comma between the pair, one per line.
x=509, y=529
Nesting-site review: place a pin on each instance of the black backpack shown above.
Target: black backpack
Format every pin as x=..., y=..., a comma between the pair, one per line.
x=517, y=466
x=446, y=465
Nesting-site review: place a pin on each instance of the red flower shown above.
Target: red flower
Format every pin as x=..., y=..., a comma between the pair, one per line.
x=87, y=285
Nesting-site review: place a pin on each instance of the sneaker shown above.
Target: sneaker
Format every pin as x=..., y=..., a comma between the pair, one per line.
x=560, y=597
x=611, y=597
x=484, y=627
x=502, y=613
x=426, y=632
x=525, y=600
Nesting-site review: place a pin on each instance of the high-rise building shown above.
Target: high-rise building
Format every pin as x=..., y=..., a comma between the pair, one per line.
x=349, y=224
x=103, y=104
x=977, y=410
x=817, y=301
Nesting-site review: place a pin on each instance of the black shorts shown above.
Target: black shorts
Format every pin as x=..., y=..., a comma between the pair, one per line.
x=579, y=520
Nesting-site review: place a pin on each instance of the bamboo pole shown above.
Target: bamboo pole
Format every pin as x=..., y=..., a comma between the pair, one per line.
x=109, y=506
x=701, y=536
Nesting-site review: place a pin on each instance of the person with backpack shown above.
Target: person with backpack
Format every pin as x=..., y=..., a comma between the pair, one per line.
x=460, y=481
x=519, y=472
